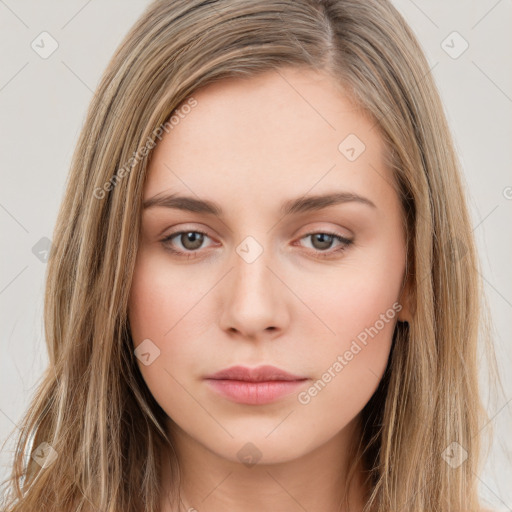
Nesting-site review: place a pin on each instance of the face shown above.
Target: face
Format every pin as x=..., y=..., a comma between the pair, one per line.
x=289, y=252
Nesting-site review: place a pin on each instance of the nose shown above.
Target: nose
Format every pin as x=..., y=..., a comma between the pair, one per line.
x=253, y=300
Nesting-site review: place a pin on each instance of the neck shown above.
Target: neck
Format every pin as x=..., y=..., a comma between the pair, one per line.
x=315, y=481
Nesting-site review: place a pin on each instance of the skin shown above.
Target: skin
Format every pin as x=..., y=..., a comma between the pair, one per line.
x=249, y=145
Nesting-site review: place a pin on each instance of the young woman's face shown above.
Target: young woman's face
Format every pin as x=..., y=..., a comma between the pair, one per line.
x=280, y=276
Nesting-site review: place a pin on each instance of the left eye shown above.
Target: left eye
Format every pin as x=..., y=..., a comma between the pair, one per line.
x=323, y=241
x=191, y=242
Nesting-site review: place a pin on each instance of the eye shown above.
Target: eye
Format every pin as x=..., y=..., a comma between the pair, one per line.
x=322, y=241
x=190, y=241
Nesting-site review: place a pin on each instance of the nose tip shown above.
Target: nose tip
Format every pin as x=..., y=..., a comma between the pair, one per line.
x=251, y=304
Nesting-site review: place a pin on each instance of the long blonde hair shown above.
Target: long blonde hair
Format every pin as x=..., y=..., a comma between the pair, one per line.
x=92, y=406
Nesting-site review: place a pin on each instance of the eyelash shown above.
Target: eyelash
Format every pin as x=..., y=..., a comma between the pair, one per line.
x=318, y=254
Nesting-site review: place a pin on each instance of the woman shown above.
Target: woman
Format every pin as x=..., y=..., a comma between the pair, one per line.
x=263, y=292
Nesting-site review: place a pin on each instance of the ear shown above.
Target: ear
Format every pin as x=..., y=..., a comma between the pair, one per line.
x=406, y=300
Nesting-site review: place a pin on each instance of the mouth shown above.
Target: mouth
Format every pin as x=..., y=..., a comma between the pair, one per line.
x=254, y=386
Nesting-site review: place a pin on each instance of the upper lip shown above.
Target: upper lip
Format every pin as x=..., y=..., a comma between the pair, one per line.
x=258, y=374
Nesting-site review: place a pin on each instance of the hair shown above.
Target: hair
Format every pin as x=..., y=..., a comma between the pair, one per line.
x=92, y=405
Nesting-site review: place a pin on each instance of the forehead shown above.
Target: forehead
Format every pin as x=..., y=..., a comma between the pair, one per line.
x=278, y=133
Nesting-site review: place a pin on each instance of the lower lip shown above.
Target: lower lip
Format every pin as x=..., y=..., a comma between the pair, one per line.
x=255, y=393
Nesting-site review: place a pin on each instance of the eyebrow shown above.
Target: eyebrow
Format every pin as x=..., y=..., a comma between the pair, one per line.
x=293, y=206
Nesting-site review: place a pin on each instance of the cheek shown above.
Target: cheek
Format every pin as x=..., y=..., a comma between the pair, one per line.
x=360, y=295
x=359, y=305
x=351, y=361
x=348, y=367
x=161, y=297
x=163, y=306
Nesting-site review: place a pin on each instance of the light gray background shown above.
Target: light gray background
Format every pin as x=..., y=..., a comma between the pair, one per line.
x=43, y=104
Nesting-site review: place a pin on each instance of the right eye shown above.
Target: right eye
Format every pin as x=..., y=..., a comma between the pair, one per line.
x=190, y=240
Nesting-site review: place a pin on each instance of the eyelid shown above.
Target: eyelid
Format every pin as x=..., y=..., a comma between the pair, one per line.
x=326, y=232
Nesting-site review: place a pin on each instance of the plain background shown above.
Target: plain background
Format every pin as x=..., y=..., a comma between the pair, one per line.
x=43, y=104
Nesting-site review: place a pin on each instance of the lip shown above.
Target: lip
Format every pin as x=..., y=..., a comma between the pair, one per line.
x=258, y=374
x=254, y=386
